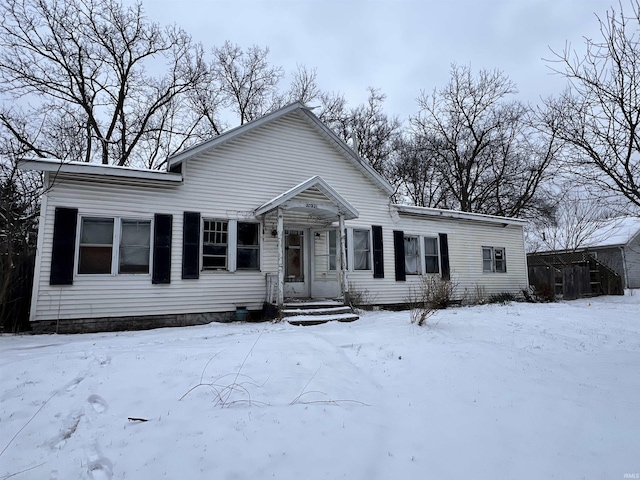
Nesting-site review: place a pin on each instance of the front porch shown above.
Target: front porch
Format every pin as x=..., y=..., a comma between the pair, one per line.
x=307, y=226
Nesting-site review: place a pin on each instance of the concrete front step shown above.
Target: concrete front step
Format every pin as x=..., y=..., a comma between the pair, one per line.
x=310, y=319
x=316, y=311
x=305, y=310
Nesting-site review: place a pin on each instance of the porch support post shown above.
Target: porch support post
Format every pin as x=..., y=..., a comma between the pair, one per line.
x=280, y=231
x=344, y=284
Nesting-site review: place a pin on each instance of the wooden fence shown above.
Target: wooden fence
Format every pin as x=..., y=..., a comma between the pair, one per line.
x=572, y=275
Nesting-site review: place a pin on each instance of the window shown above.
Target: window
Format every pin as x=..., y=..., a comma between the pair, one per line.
x=431, y=255
x=333, y=250
x=494, y=259
x=99, y=235
x=96, y=245
x=248, y=250
x=411, y=255
x=215, y=240
x=135, y=244
x=361, y=250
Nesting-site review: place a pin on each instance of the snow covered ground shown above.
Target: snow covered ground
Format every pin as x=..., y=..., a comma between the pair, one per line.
x=515, y=391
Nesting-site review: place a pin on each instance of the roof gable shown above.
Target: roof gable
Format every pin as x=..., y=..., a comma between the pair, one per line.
x=336, y=200
x=302, y=111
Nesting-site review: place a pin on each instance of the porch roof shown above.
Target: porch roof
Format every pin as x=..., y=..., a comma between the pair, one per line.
x=330, y=210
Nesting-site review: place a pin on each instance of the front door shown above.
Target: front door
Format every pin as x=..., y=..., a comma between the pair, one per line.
x=324, y=276
x=296, y=269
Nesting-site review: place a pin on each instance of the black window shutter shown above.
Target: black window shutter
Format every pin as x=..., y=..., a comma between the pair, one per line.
x=162, y=249
x=378, y=252
x=398, y=248
x=444, y=256
x=191, y=245
x=64, y=246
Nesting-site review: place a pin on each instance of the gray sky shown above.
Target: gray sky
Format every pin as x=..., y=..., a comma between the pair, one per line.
x=398, y=46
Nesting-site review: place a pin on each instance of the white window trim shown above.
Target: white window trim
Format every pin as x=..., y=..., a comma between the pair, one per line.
x=115, y=246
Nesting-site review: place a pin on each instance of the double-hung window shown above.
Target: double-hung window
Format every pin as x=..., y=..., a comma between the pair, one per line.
x=431, y=255
x=215, y=241
x=96, y=245
x=494, y=260
x=361, y=250
x=411, y=255
x=135, y=244
x=248, y=248
x=105, y=242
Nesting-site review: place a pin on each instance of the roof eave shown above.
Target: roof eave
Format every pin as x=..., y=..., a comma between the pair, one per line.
x=457, y=215
x=99, y=171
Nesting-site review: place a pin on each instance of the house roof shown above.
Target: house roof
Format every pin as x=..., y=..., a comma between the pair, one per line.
x=285, y=199
x=617, y=231
x=295, y=108
x=442, y=213
x=98, y=170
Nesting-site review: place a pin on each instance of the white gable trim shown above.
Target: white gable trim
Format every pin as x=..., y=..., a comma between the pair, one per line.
x=286, y=199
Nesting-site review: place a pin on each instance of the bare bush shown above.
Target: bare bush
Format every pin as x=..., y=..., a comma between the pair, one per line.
x=431, y=294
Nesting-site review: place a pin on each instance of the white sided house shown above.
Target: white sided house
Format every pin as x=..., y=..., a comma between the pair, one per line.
x=276, y=209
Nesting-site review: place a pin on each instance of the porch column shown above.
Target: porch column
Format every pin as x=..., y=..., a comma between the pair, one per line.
x=280, y=231
x=342, y=277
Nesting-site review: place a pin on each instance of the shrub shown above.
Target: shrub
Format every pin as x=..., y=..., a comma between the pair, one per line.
x=430, y=294
x=360, y=298
x=540, y=294
x=503, y=297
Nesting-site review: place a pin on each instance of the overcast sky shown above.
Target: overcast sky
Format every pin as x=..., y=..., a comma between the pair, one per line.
x=398, y=46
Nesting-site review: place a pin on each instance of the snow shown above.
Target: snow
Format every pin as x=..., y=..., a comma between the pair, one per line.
x=616, y=231
x=525, y=391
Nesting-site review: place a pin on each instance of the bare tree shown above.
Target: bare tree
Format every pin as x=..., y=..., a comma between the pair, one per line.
x=85, y=66
x=484, y=147
x=599, y=114
x=19, y=209
x=577, y=217
x=247, y=80
x=373, y=131
x=415, y=173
